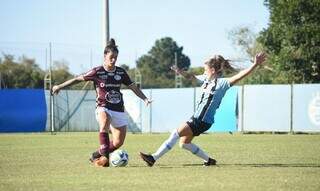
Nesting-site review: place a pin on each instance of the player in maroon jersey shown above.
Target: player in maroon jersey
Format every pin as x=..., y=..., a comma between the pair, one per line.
x=110, y=113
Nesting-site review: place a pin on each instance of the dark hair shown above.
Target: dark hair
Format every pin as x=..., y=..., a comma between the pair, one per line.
x=220, y=64
x=111, y=47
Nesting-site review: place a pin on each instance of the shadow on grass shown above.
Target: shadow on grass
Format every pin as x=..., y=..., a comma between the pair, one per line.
x=263, y=165
x=275, y=165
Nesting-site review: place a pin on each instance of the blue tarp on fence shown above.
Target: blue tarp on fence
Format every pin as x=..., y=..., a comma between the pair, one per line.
x=22, y=110
x=225, y=118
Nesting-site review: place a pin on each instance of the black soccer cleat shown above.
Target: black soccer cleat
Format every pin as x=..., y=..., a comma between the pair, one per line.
x=210, y=162
x=148, y=159
x=95, y=155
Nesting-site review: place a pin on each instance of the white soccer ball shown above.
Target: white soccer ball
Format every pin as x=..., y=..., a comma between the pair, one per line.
x=119, y=158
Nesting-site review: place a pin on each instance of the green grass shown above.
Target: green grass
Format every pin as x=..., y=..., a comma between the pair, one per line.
x=246, y=162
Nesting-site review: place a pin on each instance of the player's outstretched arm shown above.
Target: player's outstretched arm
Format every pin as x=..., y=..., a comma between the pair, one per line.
x=57, y=88
x=139, y=93
x=184, y=73
x=258, y=60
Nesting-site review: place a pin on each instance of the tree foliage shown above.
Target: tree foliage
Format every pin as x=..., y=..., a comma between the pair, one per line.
x=24, y=73
x=244, y=38
x=155, y=66
x=292, y=40
x=60, y=72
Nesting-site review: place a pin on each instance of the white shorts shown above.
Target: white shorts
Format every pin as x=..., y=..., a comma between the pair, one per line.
x=118, y=119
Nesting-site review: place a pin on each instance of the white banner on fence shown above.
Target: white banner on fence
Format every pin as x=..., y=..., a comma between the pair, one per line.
x=266, y=108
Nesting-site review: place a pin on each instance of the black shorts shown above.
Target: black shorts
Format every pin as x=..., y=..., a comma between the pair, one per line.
x=197, y=126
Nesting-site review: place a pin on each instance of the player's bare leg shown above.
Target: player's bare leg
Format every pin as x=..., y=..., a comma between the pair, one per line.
x=186, y=143
x=118, y=137
x=101, y=157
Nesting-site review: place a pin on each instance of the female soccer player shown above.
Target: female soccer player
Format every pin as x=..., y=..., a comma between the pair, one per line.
x=109, y=102
x=214, y=88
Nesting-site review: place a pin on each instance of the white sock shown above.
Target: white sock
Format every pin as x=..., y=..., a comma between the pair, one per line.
x=194, y=149
x=166, y=145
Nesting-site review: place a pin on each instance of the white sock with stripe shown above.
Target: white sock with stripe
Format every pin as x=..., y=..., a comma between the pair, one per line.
x=166, y=145
x=194, y=149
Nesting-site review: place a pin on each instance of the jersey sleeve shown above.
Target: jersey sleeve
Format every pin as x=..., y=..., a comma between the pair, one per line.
x=126, y=79
x=90, y=75
x=200, y=79
x=225, y=84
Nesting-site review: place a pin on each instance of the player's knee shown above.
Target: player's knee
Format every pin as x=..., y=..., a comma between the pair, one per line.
x=117, y=143
x=103, y=126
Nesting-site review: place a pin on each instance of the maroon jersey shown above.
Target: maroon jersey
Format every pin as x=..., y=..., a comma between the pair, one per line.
x=107, y=85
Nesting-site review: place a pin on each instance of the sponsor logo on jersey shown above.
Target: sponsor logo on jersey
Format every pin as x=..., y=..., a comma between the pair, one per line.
x=110, y=74
x=113, y=97
x=113, y=85
x=104, y=77
x=101, y=72
x=102, y=85
x=117, y=77
x=120, y=72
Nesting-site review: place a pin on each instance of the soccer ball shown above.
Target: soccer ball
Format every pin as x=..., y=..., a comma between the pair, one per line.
x=119, y=158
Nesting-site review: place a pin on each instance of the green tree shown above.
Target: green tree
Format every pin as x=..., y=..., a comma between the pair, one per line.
x=124, y=66
x=24, y=73
x=155, y=66
x=196, y=71
x=292, y=40
x=246, y=40
x=60, y=74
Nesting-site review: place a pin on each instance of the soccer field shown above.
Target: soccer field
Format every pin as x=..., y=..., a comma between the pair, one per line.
x=245, y=162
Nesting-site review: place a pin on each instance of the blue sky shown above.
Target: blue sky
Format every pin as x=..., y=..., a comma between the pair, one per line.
x=75, y=28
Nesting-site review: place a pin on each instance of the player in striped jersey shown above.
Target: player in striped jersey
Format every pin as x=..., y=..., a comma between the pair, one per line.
x=214, y=88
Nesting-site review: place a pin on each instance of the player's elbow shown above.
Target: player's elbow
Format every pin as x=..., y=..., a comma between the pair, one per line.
x=79, y=78
x=233, y=81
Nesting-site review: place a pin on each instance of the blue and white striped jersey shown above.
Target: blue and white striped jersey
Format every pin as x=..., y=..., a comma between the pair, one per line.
x=212, y=94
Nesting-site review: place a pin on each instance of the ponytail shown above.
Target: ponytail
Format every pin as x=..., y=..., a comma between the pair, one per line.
x=220, y=65
x=111, y=46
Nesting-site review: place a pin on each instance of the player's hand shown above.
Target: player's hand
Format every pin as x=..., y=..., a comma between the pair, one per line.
x=260, y=58
x=55, y=90
x=176, y=69
x=147, y=101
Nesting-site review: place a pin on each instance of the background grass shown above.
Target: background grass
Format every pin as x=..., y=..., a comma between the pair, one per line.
x=245, y=162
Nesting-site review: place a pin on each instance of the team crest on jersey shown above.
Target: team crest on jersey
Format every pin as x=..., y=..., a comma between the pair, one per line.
x=117, y=77
x=113, y=97
x=102, y=85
